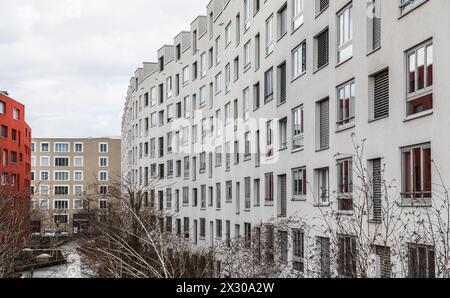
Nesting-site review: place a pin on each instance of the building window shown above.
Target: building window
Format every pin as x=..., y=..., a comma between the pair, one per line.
x=247, y=145
x=247, y=14
x=416, y=168
x=322, y=178
x=321, y=42
x=269, y=188
x=297, y=128
x=282, y=126
x=283, y=239
x=346, y=104
x=282, y=21
x=345, y=34
x=62, y=147
x=269, y=35
x=408, y=5
x=217, y=45
x=247, y=55
x=268, y=85
x=61, y=190
x=256, y=96
x=299, y=183
x=374, y=25
x=218, y=83
x=299, y=60
x=298, y=239
x=186, y=75
x=103, y=176
x=79, y=148
x=420, y=79
x=78, y=161
x=247, y=193
x=45, y=147
x=347, y=255
x=421, y=261
x=380, y=95
x=228, y=35
x=282, y=83
x=269, y=139
x=103, y=147
x=218, y=228
x=16, y=114
x=61, y=161
x=246, y=104
x=345, y=184
x=297, y=14
x=78, y=176
x=2, y=107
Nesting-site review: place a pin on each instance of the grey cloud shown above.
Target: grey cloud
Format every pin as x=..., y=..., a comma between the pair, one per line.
x=69, y=61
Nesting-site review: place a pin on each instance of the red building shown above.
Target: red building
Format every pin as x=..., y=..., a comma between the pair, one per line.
x=15, y=147
x=15, y=180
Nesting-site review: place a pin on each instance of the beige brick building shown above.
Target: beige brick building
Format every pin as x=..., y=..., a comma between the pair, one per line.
x=65, y=173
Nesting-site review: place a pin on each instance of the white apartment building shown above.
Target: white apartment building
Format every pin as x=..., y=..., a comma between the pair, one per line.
x=250, y=114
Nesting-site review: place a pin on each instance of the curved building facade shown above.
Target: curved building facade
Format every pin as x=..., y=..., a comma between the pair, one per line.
x=252, y=114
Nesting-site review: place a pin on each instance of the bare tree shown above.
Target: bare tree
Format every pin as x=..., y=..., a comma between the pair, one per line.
x=14, y=228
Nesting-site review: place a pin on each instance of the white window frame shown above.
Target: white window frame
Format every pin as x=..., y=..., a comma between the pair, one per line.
x=100, y=145
x=61, y=143
x=75, y=158
x=344, y=33
x=100, y=176
x=75, y=147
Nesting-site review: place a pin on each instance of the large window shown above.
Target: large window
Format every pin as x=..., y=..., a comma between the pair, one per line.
x=420, y=79
x=416, y=165
x=247, y=14
x=346, y=104
x=297, y=14
x=62, y=147
x=299, y=60
x=345, y=34
x=298, y=239
x=321, y=49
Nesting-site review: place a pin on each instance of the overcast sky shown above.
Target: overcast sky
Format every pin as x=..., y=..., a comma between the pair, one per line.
x=70, y=61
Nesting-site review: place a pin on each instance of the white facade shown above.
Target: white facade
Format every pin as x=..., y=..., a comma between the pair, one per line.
x=230, y=53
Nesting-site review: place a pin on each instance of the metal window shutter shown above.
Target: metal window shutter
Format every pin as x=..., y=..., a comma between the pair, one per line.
x=283, y=198
x=324, y=124
x=381, y=95
x=282, y=70
x=322, y=49
x=376, y=33
x=376, y=187
x=323, y=4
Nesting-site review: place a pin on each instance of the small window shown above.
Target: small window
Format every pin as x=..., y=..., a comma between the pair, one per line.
x=299, y=60
x=2, y=107
x=345, y=184
x=16, y=114
x=103, y=148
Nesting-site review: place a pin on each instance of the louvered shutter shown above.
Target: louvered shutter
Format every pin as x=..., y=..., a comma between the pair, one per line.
x=376, y=32
x=283, y=199
x=282, y=70
x=322, y=49
x=324, y=124
x=381, y=95
x=376, y=187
